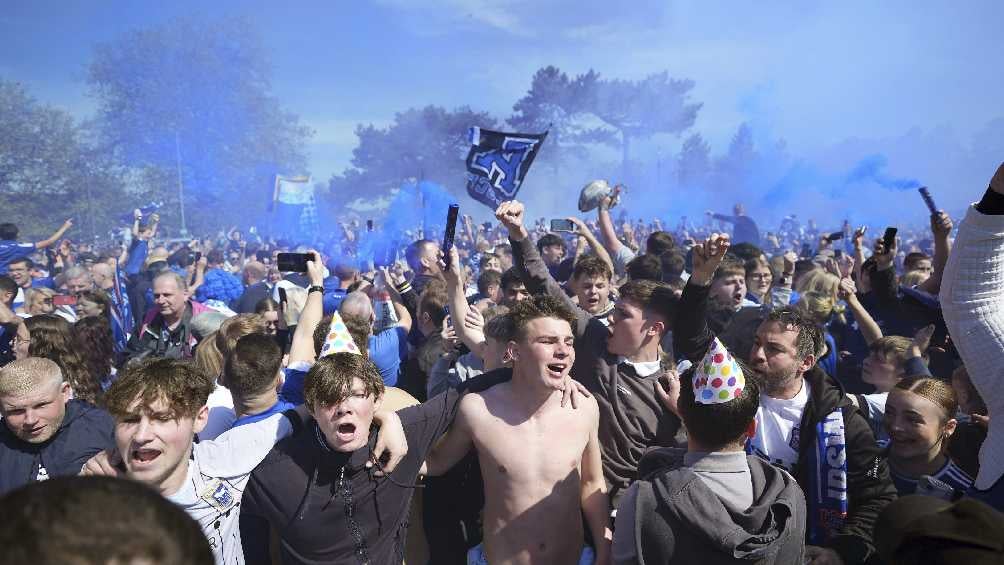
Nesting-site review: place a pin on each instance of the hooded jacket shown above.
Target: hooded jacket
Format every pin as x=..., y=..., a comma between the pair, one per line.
x=679, y=519
x=86, y=430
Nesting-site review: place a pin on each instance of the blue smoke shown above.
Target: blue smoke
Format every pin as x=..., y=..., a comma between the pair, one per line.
x=871, y=169
x=418, y=210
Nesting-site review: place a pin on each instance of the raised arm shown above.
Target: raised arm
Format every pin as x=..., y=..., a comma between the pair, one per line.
x=585, y=232
x=606, y=223
x=302, y=348
x=459, y=307
x=691, y=334
x=972, y=302
x=941, y=227
x=866, y=324
x=55, y=236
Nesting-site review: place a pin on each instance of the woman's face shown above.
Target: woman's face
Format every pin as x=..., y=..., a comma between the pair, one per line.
x=21, y=342
x=87, y=308
x=917, y=426
x=758, y=281
x=41, y=304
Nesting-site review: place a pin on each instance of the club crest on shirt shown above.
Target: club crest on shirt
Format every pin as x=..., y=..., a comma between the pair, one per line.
x=218, y=495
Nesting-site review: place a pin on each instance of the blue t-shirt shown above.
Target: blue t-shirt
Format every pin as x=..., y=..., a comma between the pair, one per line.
x=292, y=385
x=387, y=349
x=11, y=250
x=277, y=408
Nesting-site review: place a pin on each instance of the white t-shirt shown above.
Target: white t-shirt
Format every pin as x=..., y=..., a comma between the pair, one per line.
x=777, y=424
x=217, y=474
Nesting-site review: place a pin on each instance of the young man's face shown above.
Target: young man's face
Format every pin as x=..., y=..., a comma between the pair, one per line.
x=552, y=254
x=593, y=292
x=170, y=299
x=155, y=443
x=514, y=293
x=629, y=329
x=494, y=293
x=346, y=424
x=924, y=266
x=35, y=416
x=20, y=273
x=547, y=350
x=729, y=290
x=879, y=371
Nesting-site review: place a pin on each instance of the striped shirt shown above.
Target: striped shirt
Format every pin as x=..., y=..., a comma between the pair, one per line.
x=950, y=474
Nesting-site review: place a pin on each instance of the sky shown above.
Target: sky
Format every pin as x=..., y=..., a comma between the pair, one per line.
x=817, y=74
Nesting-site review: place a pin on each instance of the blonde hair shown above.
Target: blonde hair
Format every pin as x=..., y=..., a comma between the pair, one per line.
x=236, y=327
x=35, y=294
x=28, y=375
x=208, y=358
x=818, y=280
x=819, y=307
x=913, y=278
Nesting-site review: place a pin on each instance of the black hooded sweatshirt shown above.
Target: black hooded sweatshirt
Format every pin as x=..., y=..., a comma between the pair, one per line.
x=679, y=519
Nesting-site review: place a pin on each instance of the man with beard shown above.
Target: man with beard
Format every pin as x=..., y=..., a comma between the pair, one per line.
x=805, y=424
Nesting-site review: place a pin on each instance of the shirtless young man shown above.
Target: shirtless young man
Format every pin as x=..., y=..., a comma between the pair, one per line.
x=540, y=462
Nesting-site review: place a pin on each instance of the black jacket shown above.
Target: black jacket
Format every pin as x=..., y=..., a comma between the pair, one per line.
x=86, y=430
x=869, y=487
x=253, y=294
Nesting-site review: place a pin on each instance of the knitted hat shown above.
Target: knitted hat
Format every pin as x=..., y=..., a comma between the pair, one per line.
x=718, y=378
x=339, y=339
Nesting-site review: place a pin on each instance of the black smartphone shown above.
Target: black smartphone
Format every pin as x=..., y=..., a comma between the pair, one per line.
x=889, y=238
x=369, y=225
x=835, y=236
x=293, y=262
x=562, y=225
x=926, y=195
x=282, y=297
x=451, y=230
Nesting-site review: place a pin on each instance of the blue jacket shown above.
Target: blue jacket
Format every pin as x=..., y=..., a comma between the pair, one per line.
x=86, y=430
x=219, y=285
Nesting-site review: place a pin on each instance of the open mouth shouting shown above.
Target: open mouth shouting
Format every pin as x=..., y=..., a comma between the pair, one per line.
x=345, y=432
x=557, y=370
x=143, y=457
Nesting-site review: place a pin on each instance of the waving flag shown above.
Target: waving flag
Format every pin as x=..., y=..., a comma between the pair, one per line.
x=294, y=206
x=498, y=162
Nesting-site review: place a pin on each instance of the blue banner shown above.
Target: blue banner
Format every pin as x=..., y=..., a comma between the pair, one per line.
x=498, y=163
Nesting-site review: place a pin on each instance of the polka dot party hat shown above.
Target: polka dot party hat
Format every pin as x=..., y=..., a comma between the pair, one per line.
x=339, y=339
x=718, y=377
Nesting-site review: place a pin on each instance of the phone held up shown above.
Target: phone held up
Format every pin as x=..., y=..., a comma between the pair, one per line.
x=889, y=238
x=293, y=262
x=562, y=225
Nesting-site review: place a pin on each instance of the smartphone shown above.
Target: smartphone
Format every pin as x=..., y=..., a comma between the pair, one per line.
x=926, y=195
x=806, y=251
x=449, y=318
x=835, y=236
x=451, y=229
x=282, y=297
x=369, y=225
x=293, y=262
x=562, y=225
x=64, y=300
x=889, y=238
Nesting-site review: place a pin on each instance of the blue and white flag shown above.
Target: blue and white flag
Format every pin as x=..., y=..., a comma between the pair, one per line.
x=498, y=162
x=294, y=206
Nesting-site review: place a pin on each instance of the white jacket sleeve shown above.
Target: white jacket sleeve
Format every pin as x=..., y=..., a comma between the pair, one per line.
x=972, y=301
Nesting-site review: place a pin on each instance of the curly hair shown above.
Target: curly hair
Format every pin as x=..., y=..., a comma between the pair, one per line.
x=52, y=338
x=178, y=382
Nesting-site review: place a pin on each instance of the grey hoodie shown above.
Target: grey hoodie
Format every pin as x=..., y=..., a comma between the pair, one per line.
x=679, y=519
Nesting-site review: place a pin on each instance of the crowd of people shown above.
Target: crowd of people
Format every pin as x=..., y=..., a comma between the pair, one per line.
x=617, y=392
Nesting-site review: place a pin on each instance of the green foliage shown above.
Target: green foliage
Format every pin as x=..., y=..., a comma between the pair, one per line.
x=198, y=93
x=50, y=170
x=422, y=144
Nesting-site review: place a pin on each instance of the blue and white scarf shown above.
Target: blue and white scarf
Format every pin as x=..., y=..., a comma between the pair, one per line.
x=827, y=492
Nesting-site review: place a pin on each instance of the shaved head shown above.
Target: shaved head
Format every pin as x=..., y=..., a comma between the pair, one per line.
x=30, y=375
x=356, y=304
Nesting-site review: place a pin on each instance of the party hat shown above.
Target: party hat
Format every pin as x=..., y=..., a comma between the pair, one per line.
x=718, y=377
x=339, y=340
